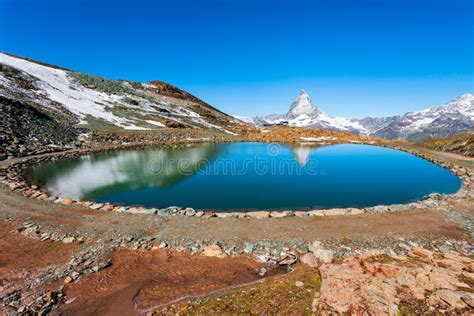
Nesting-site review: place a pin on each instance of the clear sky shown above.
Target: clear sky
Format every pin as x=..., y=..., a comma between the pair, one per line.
x=355, y=58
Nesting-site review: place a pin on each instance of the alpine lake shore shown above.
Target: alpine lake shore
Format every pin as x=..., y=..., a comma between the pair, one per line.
x=62, y=256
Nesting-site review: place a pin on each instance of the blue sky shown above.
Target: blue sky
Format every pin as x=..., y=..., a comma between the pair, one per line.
x=355, y=58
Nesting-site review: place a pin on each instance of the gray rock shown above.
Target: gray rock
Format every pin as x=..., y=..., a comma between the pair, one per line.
x=68, y=240
x=189, y=211
x=324, y=255
x=248, y=248
x=96, y=206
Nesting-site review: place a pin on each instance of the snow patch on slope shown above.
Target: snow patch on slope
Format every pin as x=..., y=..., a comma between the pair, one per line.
x=77, y=99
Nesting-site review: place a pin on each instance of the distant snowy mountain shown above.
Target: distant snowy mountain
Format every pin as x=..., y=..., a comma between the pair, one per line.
x=438, y=121
x=303, y=113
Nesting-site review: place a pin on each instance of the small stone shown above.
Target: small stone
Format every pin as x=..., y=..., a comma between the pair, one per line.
x=213, y=251
x=66, y=201
x=355, y=211
x=68, y=240
x=300, y=214
x=13, y=186
x=404, y=246
x=299, y=284
x=335, y=212
x=96, y=206
x=42, y=196
x=162, y=245
x=309, y=259
x=281, y=214
x=248, y=248
x=68, y=279
x=107, y=208
x=189, y=211
x=316, y=213
x=225, y=215
x=262, y=272
x=259, y=214
x=199, y=214
x=288, y=260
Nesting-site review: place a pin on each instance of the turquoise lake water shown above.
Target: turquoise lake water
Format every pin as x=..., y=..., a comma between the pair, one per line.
x=248, y=176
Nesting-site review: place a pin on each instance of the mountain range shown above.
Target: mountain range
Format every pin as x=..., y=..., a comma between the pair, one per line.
x=438, y=121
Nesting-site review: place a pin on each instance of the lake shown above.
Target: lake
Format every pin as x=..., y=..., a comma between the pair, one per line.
x=247, y=176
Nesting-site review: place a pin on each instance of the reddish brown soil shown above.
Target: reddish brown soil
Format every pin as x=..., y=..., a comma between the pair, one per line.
x=19, y=252
x=152, y=278
x=22, y=258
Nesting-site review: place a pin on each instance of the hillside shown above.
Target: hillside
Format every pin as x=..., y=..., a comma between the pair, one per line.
x=47, y=106
x=462, y=144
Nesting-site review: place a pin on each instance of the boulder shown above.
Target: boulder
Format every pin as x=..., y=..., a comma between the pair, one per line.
x=323, y=255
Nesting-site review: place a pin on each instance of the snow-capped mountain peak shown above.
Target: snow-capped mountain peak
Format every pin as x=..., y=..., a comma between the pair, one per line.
x=303, y=113
x=464, y=105
x=302, y=106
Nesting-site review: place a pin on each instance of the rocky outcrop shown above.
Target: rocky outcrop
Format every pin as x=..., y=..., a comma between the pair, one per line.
x=380, y=284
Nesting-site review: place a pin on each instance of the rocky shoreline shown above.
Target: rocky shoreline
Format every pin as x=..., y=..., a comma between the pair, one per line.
x=12, y=176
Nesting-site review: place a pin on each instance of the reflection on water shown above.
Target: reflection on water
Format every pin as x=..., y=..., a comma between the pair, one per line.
x=243, y=176
x=89, y=176
x=302, y=153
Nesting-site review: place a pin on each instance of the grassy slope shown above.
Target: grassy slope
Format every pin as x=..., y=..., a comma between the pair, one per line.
x=462, y=144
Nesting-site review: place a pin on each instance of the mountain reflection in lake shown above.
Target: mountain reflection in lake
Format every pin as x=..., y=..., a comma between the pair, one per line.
x=99, y=174
x=244, y=176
